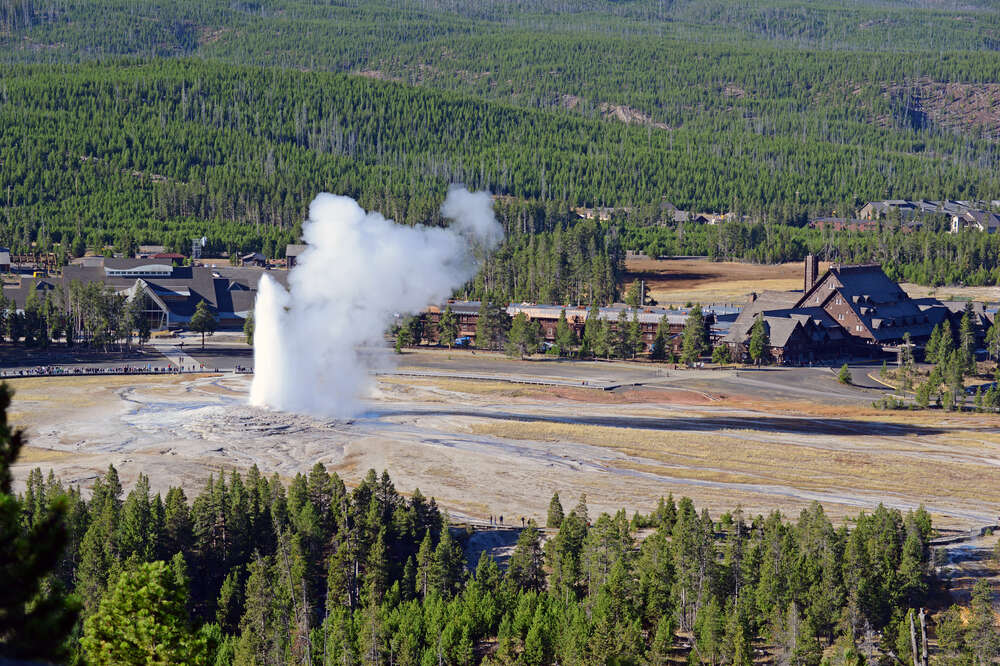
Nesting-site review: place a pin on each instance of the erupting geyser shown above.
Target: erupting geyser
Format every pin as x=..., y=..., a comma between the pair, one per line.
x=358, y=272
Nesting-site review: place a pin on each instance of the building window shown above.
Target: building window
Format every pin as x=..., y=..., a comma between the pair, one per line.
x=840, y=316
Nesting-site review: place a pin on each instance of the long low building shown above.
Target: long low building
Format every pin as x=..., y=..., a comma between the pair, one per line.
x=467, y=314
x=170, y=294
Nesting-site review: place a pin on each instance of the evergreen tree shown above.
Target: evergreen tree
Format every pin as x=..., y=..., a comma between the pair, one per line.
x=425, y=566
x=138, y=535
x=635, y=343
x=202, y=321
x=967, y=339
x=143, y=620
x=735, y=649
x=248, y=328
x=844, y=376
x=178, y=527
x=565, y=337
x=525, y=566
x=660, y=650
x=404, y=338
x=632, y=295
x=523, y=336
x=264, y=627
x=760, y=341
x=99, y=555
x=34, y=618
x=602, y=344
x=79, y=245
x=622, y=344
x=230, y=602
x=720, y=355
x=993, y=341
x=695, y=336
x=590, y=343
x=946, y=344
x=658, y=351
x=709, y=629
x=448, y=570
x=933, y=343
x=982, y=638
x=492, y=324
x=448, y=327
x=555, y=515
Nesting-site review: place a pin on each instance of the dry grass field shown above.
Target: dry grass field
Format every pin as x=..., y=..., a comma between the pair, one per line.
x=677, y=281
x=985, y=294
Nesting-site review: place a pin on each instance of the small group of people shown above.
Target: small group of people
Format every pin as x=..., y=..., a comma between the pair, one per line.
x=498, y=521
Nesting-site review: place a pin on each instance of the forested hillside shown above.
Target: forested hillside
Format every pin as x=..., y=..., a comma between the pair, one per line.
x=235, y=114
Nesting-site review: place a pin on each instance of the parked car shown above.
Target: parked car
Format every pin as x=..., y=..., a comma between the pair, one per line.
x=971, y=390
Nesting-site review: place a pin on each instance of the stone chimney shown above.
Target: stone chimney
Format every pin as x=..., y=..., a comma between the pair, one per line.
x=812, y=272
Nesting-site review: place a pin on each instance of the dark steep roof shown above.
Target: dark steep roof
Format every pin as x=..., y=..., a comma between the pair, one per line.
x=229, y=291
x=765, y=302
x=886, y=310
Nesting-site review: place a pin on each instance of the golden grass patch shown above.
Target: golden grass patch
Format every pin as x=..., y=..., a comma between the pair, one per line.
x=468, y=386
x=866, y=463
x=952, y=293
x=33, y=454
x=722, y=291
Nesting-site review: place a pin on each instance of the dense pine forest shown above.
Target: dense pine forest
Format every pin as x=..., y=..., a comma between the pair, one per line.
x=141, y=121
x=162, y=151
x=248, y=570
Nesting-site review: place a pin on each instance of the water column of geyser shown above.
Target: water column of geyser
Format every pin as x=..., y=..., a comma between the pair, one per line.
x=358, y=272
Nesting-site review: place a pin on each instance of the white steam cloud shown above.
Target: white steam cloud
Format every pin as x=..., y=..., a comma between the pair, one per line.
x=358, y=272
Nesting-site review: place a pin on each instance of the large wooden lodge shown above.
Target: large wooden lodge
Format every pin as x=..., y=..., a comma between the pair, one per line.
x=848, y=311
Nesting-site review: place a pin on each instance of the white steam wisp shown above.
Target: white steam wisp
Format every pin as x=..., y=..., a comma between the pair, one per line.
x=358, y=272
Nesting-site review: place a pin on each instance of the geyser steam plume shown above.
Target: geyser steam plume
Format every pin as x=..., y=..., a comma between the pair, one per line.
x=357, y=273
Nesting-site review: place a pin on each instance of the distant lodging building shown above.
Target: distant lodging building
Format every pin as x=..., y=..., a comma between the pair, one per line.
x=848, y=311
x=975, y=220
x=964, y=215
x=910, y=208
x=169, y=293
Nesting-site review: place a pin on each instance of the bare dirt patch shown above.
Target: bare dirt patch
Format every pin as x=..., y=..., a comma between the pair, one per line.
x=955, y=106
x=620, y=112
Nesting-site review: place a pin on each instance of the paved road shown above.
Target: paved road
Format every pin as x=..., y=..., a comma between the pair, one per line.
x=813, y=384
